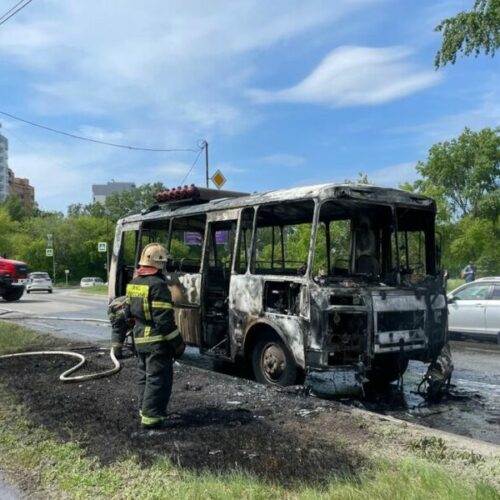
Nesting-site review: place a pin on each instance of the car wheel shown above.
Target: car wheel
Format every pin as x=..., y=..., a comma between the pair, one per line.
x=273, y=364
x=13, y=295
x=50, y=291
x=27, y=291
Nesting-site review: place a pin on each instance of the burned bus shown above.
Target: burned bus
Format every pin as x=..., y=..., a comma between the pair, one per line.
x=339, y=278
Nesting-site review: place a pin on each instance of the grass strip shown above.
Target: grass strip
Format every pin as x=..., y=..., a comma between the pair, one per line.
x=55, y=469
x=95, y=290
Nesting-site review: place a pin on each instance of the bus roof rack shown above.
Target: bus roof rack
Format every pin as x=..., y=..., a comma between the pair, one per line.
x=192, y=195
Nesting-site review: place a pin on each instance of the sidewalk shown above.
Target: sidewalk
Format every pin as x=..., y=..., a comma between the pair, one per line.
x=7, y=492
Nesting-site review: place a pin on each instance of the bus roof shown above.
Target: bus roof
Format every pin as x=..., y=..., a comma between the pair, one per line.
x=367, y=193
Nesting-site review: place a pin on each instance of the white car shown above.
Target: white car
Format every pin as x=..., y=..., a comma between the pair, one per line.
x=474, y=309
x=89, y=282
x=39, y=282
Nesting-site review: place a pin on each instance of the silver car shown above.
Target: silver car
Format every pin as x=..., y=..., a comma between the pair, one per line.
x=39, y=282
x=90, y=282
x=474, y=309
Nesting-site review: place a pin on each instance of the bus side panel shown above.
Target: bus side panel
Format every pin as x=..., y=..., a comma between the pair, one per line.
x=187, y=307
x=247, y=311
x=245, y=307
x=113, y=268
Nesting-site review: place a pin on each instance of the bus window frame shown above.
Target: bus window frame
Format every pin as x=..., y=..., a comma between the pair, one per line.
x=312, y=239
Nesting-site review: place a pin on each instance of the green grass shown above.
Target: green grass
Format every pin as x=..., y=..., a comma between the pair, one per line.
x=15, y=338
x=454, y=283
x=65, y=470
x=62, y=470
x=96, y=290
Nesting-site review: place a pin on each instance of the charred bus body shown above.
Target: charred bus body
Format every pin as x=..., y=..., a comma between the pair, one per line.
x=329, y=277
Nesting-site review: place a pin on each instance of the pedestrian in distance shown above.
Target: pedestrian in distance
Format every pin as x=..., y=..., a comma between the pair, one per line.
x=469, y=272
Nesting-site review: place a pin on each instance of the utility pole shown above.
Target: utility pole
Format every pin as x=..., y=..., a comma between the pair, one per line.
x=206, y=161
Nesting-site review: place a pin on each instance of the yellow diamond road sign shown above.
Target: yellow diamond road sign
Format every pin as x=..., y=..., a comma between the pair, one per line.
x=218, y=179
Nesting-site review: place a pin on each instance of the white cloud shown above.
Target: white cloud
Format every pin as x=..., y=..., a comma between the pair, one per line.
x=53, y=176
x=284, y=160
x=182, y=61
x=351, y=76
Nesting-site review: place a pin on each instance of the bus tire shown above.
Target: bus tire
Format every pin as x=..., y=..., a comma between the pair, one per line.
x=273, y=363
x=387, y=369
x=13, y=294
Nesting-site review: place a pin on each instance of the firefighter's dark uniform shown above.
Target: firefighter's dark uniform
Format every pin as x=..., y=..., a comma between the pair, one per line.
x=156, y=339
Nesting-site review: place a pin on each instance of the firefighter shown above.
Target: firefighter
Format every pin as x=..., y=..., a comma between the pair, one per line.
x=157, y=340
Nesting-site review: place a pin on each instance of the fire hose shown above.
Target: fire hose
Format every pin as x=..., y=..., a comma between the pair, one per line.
x=64, y=377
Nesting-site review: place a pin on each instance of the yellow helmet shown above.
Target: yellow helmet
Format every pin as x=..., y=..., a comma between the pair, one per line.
x=154, y=255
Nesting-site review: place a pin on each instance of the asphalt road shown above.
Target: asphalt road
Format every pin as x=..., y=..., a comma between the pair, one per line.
x=80, y=317
x=472, y=408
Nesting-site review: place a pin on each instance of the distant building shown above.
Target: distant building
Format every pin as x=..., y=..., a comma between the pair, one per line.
x=22, y=189
x=101, y=191
x=4, y=167
x=9, y=183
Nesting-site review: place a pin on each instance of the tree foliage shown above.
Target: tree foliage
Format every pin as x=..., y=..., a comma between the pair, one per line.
x=470, y=32
x=464, y=173
x=463, y=176
x=8, y=227
x=118, y=205
x=75, y=236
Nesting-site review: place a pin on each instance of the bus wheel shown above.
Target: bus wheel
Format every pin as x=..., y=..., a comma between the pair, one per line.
x=387, y=369
x=13, y=294
x=273, y=363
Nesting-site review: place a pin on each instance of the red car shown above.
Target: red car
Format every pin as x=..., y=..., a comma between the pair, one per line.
x=13, y=279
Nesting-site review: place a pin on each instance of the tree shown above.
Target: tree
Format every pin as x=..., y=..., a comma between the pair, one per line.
x=464, y=172
x=470, y=32
x=92, y=210
x=8, y=227
x=118, y=205
x=75, y=244
x=475, y=239
x=16, y=209
x=132, y=201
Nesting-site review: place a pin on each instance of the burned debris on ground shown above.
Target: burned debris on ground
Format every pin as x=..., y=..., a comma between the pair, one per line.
x=218, y=423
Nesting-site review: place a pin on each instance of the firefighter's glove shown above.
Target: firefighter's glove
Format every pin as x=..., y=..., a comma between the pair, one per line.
x=117, y=309
x=178, y=346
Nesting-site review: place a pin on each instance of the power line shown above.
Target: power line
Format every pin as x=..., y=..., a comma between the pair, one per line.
x=4, y=19
x=11, y=9
x=192, y=166
x=97, y=141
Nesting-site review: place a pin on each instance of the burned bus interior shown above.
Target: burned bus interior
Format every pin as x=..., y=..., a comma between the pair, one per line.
x=338, y=272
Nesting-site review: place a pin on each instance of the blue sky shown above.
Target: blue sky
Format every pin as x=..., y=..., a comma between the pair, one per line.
x=287, y=93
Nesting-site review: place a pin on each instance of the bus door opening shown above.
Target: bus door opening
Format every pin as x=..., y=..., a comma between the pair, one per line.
x=216, y=281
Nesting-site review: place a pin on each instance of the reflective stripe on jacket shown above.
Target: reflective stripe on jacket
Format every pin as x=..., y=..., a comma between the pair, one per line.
x=150, y=304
